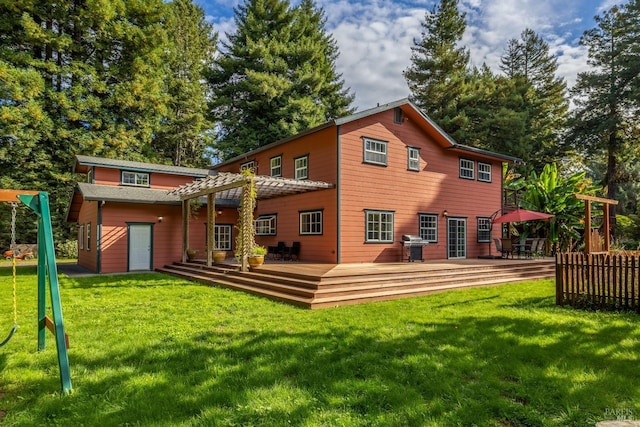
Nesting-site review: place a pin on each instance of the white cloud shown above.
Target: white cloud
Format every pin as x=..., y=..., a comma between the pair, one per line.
x=375, y=37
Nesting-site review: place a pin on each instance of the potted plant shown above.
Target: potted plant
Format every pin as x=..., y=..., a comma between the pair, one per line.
x=219, y=256
x=191, y=253
x=256, y=259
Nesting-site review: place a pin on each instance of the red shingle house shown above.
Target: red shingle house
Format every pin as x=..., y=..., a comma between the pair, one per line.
x=389, y=171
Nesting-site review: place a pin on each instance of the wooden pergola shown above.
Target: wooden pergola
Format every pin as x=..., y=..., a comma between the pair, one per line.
x=588, y=238
x=231, y=186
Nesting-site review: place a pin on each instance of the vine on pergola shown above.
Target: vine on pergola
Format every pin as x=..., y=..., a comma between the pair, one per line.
x=245, y=240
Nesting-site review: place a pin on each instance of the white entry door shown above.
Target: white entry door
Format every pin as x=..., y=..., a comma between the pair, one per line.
x=140, y=246
x=456, y=238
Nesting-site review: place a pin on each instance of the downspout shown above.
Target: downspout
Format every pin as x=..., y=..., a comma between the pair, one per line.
x=338, y=207
x=99, y=238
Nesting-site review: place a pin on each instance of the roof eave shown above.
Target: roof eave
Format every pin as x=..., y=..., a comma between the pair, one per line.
x=486, y=153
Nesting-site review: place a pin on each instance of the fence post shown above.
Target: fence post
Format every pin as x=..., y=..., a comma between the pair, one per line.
x=559, y=284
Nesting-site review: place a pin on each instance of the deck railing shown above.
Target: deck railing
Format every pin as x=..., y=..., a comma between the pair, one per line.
x=601, y=280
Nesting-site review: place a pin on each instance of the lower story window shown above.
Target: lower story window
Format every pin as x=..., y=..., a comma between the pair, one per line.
x=223, y=237
x=311, y=222
x=379, y=226
x=266, y=225
x=484, y=230
x=428, y=226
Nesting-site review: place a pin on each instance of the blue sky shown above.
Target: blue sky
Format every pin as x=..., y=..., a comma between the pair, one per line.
x=375, y=36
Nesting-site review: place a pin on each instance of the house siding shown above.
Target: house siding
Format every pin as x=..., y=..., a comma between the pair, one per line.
x=321, y=149
x=434, y=188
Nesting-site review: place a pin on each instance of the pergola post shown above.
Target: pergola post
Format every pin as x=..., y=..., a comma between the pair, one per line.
x=186, y=214
x=587, y=220
x=211, y=227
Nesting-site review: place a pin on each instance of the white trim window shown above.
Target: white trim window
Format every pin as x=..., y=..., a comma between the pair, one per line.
x=88, y=236
x=428, y=227
x=379, y=226
x=484, y=230
x=136, y=179
x=222, y=235
x=81, y=236
x=311, y=223
x=413, y=159
x=467, y=169
x=251, y=165
x=276, y=166
x=484, y=172
x=266, y=225
x=375, y=151
x=301, y=167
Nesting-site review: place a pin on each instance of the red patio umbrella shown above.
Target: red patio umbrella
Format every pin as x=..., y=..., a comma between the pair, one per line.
x=520, y=215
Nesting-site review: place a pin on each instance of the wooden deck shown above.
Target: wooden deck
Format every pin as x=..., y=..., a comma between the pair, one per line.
x=329, y=285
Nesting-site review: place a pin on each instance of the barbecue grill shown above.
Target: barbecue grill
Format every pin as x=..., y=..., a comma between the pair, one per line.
x=413, y=247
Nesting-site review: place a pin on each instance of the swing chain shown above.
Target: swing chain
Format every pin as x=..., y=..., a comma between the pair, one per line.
x=13, y=263
x=13, y=226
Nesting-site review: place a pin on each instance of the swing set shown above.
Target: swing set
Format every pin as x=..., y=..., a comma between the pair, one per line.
x=38, y=202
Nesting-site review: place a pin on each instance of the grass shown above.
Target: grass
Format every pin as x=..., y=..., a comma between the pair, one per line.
x=152, y=350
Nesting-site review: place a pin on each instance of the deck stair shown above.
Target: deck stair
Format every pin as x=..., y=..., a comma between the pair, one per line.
x=328, y=285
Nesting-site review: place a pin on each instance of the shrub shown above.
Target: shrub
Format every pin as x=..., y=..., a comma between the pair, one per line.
x=67, y=249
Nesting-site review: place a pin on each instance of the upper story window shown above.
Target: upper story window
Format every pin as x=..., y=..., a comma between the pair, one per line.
x=266, y=225
x=138, y=179
x=413, y=158
x=311, y=222
x=467, y=169
x=301, y=167
x=276, y=166
x=251, y=165
x=484, y=172
x=484, y=230
x=398, y=117
x=375, y=151
x=428, y=227
x=379, y=226
x=90, y=176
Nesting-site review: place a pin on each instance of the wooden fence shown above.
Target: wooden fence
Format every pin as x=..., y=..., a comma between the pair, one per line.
x=601, y=280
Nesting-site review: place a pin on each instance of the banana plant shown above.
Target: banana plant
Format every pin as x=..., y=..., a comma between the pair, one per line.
x=552, y=192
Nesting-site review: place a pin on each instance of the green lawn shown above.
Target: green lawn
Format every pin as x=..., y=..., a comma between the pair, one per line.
x=152, y=350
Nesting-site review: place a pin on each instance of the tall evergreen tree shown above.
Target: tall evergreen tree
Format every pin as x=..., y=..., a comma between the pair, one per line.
x=99, y=74
x=545, y=106
x=604, y=123
x=185, y=133
x=275, y=76
x=438, y=69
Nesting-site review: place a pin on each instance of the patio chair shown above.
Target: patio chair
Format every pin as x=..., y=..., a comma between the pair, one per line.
x=539, y=250
x=281, y=249
x=504, y=246
x=293, y=251
x=527, y=247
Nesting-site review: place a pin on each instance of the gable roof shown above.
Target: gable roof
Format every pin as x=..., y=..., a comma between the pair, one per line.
x=408, y=108
x=83, y=163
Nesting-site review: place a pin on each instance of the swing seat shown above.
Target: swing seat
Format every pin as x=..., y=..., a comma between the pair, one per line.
x=8, y=338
